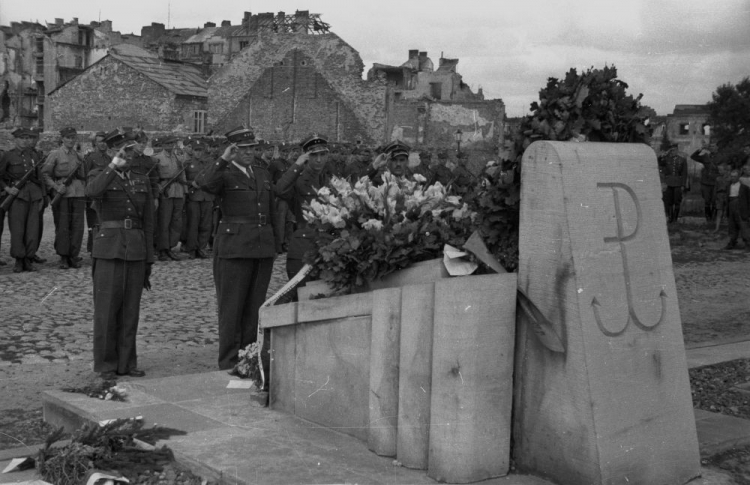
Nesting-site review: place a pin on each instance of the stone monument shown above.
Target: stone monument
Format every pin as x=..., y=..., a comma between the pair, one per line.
x=615, y=406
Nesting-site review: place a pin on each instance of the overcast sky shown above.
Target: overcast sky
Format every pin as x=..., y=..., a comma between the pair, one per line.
x=672, y=51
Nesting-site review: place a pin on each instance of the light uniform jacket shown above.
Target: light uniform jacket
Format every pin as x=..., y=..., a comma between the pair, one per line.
x=60, y=163
x=13, y=166
x=169, y=166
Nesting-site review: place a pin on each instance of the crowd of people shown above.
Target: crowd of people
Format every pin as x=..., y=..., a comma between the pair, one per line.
x=141, y=199
x=724, y=187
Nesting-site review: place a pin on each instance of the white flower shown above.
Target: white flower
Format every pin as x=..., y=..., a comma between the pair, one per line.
x=418, y=177
x=373, y=224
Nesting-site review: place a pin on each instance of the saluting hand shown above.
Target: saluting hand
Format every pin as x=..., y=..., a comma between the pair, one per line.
x=230, y=153
x=380, y=161
x=119, y=159
x=302, y=159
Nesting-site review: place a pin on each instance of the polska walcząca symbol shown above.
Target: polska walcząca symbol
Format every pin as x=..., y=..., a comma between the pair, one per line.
x=621, y=239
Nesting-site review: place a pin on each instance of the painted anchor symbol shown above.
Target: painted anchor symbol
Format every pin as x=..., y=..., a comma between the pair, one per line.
x=621, y=239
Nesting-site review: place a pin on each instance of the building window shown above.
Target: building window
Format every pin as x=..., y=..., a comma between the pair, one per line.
x=436, y=90
x=243, y=44
x=79, y=62
x=39, y=44
x=199, y=121
x=684, y=128
x=39, y=66
x=216, y=48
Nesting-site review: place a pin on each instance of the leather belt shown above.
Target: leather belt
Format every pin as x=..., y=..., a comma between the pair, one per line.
x=123, y=224
x=260, y=220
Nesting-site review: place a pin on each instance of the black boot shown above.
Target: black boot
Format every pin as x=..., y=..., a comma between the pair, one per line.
x=19, y=265
x=27, y=266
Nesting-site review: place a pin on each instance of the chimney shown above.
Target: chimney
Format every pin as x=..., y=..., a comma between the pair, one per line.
x=59, y=22
x=413, y=54
x=75, y=21
x=209, y=24
x=422, y=59
x=226, y=23
x=302, y=21
x=246, y=18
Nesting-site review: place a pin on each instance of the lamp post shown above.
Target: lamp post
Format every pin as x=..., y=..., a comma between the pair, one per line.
x=457, y=137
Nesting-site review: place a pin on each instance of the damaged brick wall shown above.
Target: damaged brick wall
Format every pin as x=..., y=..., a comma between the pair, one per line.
x=334, y=62
x=291, y=100
x=112, y=94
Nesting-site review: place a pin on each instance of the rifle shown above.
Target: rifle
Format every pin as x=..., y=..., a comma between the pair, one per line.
x=18, y=185
x=162, y=188
x=66, y=182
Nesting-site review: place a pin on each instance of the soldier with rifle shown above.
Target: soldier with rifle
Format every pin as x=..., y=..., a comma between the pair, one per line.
x=171, y=199
x=63, y=173
x=99, y=158
x=199, y=203
x=19, y=180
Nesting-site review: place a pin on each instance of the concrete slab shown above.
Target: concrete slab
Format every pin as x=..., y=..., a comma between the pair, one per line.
x=714, y=354
x=719, y=432
x=232, y=439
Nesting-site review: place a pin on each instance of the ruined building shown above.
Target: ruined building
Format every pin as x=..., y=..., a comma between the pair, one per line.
x=37, y=59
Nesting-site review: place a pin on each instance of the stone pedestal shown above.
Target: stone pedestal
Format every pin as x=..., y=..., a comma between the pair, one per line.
x=422, y=372
x=595, y=258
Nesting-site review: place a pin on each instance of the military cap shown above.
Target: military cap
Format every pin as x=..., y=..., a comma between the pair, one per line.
x=140, y=136
x=397, y=148
x=68, y=131
x=164, y=141
x=242, y=137
x=23, y=132
x=199, y=143
x=120, y=138
x=100, y=133
x=314, y=143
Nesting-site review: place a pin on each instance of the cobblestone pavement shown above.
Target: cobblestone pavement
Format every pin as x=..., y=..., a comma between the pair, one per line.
x=46, y=323
x=46, y=317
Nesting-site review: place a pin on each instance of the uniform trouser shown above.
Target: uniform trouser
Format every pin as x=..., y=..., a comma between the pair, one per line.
x=91, y=222
x=69, y=228
x=737, y=227
x=184, y=225
x=282, y=207
x=118, y=285
x=672, y=201
x=170, y=222
x=708, y=192
x=2, y=221
x=241, y=286
x=199, y=223
x=23, y=222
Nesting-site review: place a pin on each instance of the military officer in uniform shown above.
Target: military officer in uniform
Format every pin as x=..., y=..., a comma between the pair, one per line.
x=123, y=255
x=62, y=163
x=675, y=172
x=23, y=214
x=297, y=186
x=199, y=203
x=245, y=244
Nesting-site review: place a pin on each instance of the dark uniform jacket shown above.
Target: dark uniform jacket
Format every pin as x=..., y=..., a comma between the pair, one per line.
x=710, y=170
x=675, y=170
x=297, y=186
x=246, y=227
x=145, y=165
x=13, y=166
x=744, y=202
x=119, y=201
x=193, y=168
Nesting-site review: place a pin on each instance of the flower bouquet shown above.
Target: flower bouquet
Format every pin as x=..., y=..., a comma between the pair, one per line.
x=247, y=365
x=367, y=231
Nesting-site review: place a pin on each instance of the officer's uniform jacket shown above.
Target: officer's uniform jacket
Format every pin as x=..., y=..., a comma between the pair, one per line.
x=299, y=185
x=194, y=166
x=126, y=219
x=14, y=164
x=169, y=166
x=675, y=170
x=246, y=228
x=60, y=163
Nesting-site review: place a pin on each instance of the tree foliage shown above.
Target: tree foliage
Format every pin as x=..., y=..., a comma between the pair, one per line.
x=729, y=115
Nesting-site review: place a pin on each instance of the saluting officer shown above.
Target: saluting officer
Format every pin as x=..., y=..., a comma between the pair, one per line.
x=676, y=178
x=23, y=214
x=123, y=255
x=199, y=205
x=244, y=245
x=298, y=185
x=62, y=163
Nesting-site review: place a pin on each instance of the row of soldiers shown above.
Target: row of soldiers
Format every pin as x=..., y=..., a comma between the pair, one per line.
x=184, y=214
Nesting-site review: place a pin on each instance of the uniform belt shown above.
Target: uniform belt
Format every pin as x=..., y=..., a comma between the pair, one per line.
x=260, y=220
x=123, y=224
